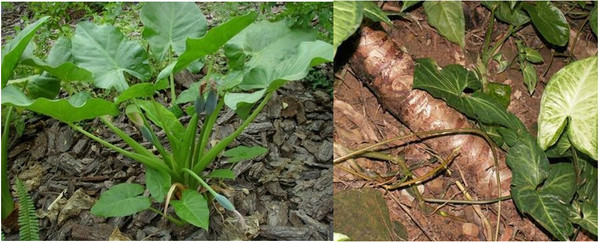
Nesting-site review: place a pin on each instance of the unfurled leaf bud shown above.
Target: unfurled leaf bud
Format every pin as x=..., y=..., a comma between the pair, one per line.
x=134, y=115
x=211, y=102
x=147, y=134
x=199, y=105
x=224, y=202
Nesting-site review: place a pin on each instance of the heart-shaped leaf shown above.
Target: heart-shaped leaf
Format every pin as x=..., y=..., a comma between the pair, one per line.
x=11, y=53
x=192, y=208
x=240, y=153
x=547, y=203
x=169, y=24
x=347, y=16
x=158, y=183
x=448, y=19
x=105, y=51
x=549, y=21
x=214, y=39
x=121, y=200
x=278, y=53
x=77, y=108
x=570, y=101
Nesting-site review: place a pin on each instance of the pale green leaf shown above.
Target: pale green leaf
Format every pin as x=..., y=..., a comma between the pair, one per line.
x=121, y=200
x=570, y=102
x=447, y=18
x=11, y=53
x=529, y=76
x=192, y=208
x=158, y=183
x=71, y=110
x=240, y=153
x=141, y=90
x=347, y=16
x=106, y=52
x=167, y=25
x=222, y=173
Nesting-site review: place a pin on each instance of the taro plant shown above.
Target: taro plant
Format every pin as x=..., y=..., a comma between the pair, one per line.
x=262, y=57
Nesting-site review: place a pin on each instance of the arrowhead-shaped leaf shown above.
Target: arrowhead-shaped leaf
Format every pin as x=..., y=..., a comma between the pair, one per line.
x=278, y=54
x=106, y=52
x=77, y=108
x=158, y=183
x=192, y=208
x=570, y=101
x=448, y=19
x=450, y=85
x=549, y=21
x=121, y=200
x=11, y=53
x=169, y=24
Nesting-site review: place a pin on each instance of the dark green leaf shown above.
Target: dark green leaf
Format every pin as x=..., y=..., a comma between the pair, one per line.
x=192, y=208
x=121, y=200
x=105, y=51
x=560, y=148
x=240, y=153
x=408, y=4
x=560, y=182
x=533, y=56
x=448, y=19
x=222, y=173
x=43, y=86
x=373, y=12
x=164, y=119
x=63, y=110
x=158, y=183
x=450, y=84
x=500, y=93
x=588, y=189
x=529, y=76
x=168, y=25
x=528, y=163
x=11, y=53
x=506, y=14
x=594, y=19
x=549, y=21
x=211, y=102
x=199, y=104
x=589, y=218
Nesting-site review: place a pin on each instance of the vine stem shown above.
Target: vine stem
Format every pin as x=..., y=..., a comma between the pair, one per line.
x=444, y=132
x=488, y=201
x=7, y=201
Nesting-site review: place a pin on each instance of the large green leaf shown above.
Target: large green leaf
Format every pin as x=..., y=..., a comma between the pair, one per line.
x=158, y=183
x=121, y=200
x=278, y=53
x=505, y=13
x=106, y=52
x=450, y=85
x=192, y=208
x=78, y=107
x=447, y=18
x=347, y=16
x=44, y=86
x=11, y=53
x=571, y=100
x=549, y=21
x=236, y=100
x=373, y=12
x=59, y=63
x=214, y=39
x=547, y=203
x=169, y=24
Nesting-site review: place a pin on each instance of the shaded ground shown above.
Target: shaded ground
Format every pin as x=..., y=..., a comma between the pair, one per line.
x=285, y=195
x=359, y=120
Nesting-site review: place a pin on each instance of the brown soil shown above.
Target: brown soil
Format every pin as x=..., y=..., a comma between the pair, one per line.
x=360, y=120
